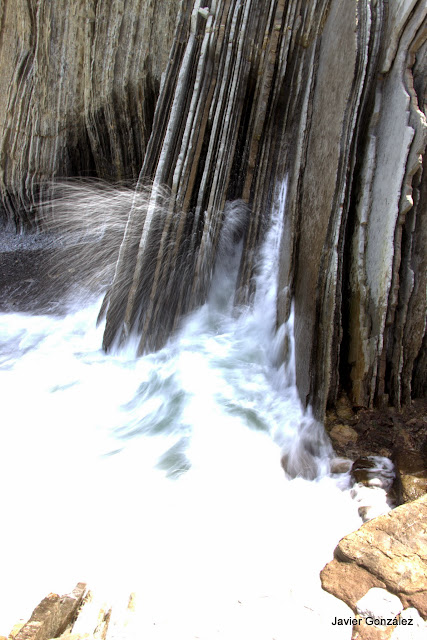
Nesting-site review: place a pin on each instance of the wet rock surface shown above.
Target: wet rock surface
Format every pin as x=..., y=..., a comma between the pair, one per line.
x=388, y=552
x=412, y=476
x=27, y=284
x=373, y=471
x=400, y=436
x=40, y=272
x=79, y=81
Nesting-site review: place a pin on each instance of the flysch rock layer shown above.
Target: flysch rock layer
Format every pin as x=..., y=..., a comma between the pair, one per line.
x=385, y=281
x=213, y=138
x=218, y=101
x=79, y=83
x=388, y=552
x=356, y=207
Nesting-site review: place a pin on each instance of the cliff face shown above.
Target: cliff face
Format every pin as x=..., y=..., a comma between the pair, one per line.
x=79, y=84
x=330, y=93
x=358, y=207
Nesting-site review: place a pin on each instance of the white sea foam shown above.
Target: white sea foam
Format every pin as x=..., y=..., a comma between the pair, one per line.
x=162, y=474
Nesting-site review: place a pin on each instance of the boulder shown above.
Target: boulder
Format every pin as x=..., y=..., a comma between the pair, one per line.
x=340, y=465
x=344, y=408
x=53, y=615
x=411, y=468
x=388, y=552
x=363, y=631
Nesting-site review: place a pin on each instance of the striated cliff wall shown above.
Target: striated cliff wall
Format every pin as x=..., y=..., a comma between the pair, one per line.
x=79, y=84
x=219, y=100
x=358, y=207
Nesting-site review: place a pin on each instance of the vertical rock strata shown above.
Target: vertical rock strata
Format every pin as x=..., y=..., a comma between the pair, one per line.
x=357, y=209
x=213, y=138
x=208, y=101
x=80, y=80
x=388, y=268
x=344, y=60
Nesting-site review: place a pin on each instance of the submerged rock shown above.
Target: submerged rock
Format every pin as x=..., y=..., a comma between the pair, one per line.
x=340, y=465
x=389, y=443
x=303, y=465
x=373, y=471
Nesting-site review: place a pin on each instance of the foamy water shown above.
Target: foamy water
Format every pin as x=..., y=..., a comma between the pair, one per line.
x=161, y=475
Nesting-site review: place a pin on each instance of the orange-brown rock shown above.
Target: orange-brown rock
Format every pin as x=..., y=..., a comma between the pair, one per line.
x=392, y=550
x=364, y=631
x=348, y=581
x=411, y=467
x=53, y=615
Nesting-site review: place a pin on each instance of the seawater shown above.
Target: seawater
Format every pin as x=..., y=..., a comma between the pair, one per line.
x=161, y=475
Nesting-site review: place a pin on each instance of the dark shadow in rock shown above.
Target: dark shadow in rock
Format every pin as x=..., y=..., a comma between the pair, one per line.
x=39, y=274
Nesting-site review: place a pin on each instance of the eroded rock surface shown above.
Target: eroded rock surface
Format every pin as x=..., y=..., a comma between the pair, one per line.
x=412, y=474
x=388, y=552
x=53, y=615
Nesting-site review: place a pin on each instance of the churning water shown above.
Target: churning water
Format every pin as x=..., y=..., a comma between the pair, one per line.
x=162, y=474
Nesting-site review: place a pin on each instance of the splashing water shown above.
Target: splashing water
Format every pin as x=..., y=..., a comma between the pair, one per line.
x=162, y=475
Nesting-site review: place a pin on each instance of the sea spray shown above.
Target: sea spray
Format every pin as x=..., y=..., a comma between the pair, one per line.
x=89, y=217
x=99, y=245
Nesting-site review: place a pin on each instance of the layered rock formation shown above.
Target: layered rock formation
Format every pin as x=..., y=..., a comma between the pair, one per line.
x=330, y=93
x=80, y=80
x=365, y=130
